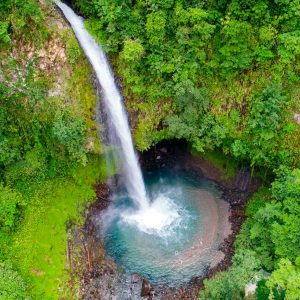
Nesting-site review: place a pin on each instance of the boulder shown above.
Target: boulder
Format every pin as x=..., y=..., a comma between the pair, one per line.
x=146, y=288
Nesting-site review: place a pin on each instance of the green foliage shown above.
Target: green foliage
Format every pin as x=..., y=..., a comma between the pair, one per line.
x=285, y=231
x=262, y=139
x=263, y=292
x=36, y=131
x=155, y=27
x=132, y=51
x=69, y=131
x=224, y=66
x=4, y=34
x=257, y=201
x=272, y=231
x=10, y=203
x=192, y=121
x=231, y=284
x=41, y=260
x=12, y=286
x=85, y=6
x=21, y=18
x=236, y=51
x=289, y=49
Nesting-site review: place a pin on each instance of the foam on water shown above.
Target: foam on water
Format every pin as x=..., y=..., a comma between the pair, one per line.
x=161, y=218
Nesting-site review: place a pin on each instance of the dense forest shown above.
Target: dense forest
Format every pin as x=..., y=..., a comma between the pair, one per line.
x=222, y=75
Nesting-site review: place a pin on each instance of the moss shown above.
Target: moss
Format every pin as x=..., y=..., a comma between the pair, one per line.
x=74, y=52
x=79, y=90
x=147, y=121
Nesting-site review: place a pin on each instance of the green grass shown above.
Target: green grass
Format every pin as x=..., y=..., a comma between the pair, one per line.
x=224, y=163
x=39, y=245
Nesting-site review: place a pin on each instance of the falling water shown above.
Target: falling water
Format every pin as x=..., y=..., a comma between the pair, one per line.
x=113, y=103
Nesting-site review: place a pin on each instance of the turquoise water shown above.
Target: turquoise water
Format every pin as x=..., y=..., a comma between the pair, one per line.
x=179, y=249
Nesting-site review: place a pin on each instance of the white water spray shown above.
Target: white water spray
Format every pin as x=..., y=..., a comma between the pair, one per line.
x=113, y=102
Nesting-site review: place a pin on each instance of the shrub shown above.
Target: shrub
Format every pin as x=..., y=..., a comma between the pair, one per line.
x=10, y=202
x=12, y=286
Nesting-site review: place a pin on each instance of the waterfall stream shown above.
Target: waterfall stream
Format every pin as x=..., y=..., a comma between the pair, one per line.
x=114, y=106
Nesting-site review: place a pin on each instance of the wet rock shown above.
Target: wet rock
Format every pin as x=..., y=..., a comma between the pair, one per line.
x=163, y=150
x=152, y=294
x=146, y=288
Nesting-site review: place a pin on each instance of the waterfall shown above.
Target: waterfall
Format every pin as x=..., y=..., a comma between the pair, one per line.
x=112, y=99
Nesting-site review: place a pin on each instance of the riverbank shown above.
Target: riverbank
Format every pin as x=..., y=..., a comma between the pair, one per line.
x=100, y=277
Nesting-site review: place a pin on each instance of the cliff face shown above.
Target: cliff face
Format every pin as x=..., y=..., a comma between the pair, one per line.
x=55, y=60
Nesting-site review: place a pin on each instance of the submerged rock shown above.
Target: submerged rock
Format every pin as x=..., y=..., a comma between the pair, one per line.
x=135, y=278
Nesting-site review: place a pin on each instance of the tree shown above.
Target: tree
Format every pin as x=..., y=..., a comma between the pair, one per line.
x=265, y=124
x=274, y=231
x=237, y=50
x=231, y=284
x=35, y=131
x=286, y=278
x=285, y=231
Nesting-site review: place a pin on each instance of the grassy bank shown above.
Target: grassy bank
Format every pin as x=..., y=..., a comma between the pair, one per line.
x=38, y=247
